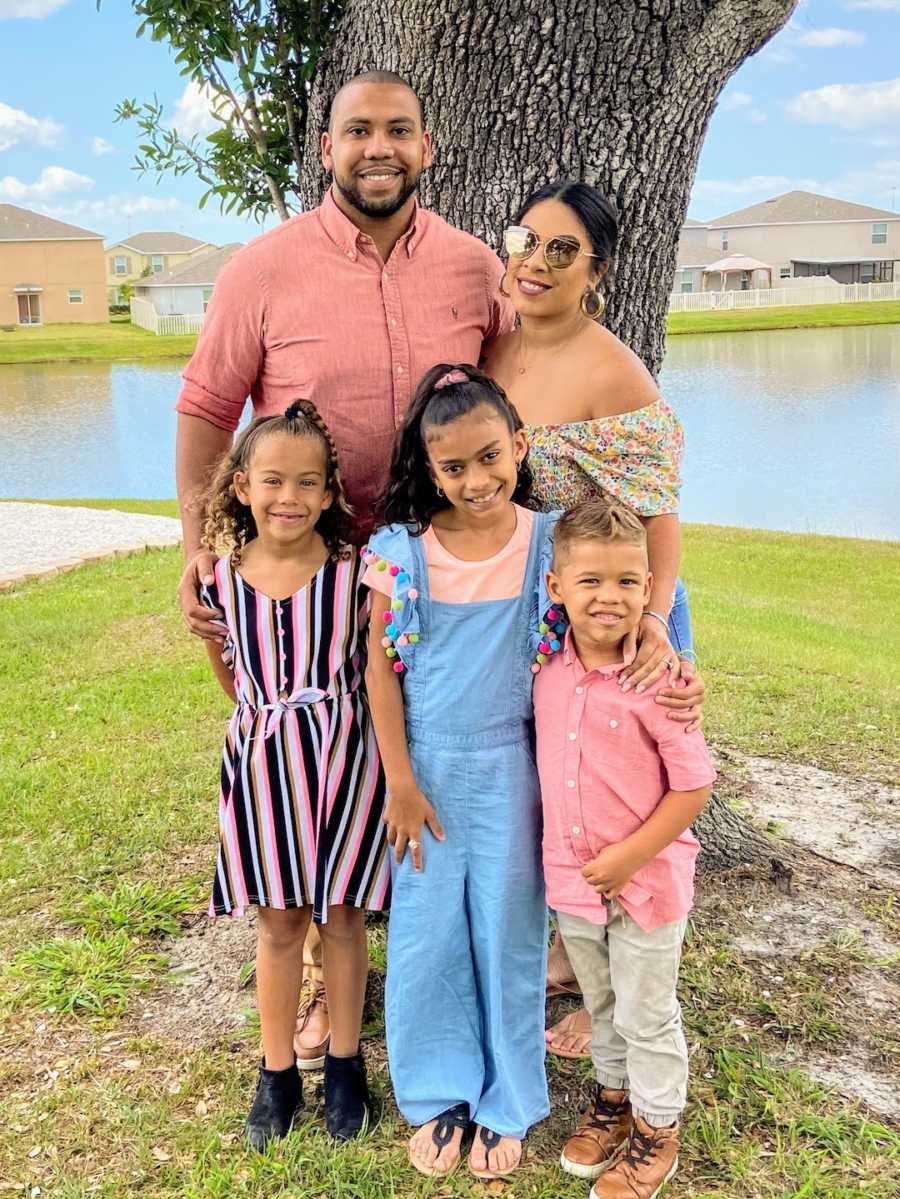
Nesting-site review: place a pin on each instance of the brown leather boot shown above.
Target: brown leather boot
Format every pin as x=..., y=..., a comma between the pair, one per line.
x=601, y=1132
x=649, y=1161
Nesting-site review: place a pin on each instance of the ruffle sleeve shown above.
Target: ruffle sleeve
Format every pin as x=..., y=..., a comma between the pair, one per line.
x=389, y=553
x=547, y=621
x=209, y=595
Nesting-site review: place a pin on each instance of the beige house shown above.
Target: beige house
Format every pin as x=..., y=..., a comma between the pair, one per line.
x=799, y=235
x=50, y=272
x=144, y=254
x=187, y=290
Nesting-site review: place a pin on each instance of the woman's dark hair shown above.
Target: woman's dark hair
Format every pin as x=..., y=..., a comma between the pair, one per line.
x=411, y=496
x=230, y=524
x=590, y=206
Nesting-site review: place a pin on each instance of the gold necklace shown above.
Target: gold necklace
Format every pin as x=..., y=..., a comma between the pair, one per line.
x=522, y=365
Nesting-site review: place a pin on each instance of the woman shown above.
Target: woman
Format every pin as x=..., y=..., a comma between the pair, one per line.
x=595, y=421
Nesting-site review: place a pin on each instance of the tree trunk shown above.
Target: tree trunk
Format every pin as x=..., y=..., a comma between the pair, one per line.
x=520, y=92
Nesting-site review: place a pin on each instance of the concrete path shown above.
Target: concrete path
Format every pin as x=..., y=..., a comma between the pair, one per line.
x=37, y=540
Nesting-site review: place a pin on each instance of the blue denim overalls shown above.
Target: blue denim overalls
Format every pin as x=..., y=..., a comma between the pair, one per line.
x=467, y=937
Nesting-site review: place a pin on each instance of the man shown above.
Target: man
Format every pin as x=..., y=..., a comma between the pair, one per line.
x=347, y=305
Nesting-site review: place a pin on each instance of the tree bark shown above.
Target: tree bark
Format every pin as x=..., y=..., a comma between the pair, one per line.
x=520, y=92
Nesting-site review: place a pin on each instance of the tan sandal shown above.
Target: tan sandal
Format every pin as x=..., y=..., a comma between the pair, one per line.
x=568, y=1027
x=491, y=1140
x=446, y=1125
x=310, y=1057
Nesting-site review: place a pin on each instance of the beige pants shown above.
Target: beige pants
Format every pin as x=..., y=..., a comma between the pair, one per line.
x=629, y=979
x=312, y=954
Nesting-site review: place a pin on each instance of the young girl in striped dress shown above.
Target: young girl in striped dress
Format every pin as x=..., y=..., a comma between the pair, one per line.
x=302, y=790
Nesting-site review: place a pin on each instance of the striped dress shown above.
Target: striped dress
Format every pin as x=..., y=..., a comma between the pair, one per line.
x=302, y=789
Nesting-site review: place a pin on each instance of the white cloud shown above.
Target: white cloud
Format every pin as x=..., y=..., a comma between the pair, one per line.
x=742, y=103
x=53, y=181
x=751, y=185
x=115, y=207
x=195, y=108
x=848, y=105
x=828, y=39
x=35, y=9
x=100, y=146
x=17, y=126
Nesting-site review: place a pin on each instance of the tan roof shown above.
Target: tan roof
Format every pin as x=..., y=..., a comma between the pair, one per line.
x=801, y=207
x=201, y=271
x=693, y=224
x=161, y=243
x=20, y=224
x=693, y=255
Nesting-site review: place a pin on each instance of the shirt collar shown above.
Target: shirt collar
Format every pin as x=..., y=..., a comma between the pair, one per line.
x=346, y=235
x=570, y=658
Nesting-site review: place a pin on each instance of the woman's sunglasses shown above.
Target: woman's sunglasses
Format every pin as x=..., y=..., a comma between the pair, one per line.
x=559, y=252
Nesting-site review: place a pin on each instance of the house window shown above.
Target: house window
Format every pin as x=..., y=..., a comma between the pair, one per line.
x=29, y=309
x=784, y=272
x=820, y=269
x=121, y=264
x=76, y=295
x=745, y=280
x=207, y=296
x=724, y=239
x=157, y=264
x=879, y=233
x=866, y=272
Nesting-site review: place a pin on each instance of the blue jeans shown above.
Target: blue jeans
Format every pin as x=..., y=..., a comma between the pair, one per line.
x=680, y=622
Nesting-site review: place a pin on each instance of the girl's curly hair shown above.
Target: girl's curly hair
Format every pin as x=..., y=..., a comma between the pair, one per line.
x=229, y=524
x=411, y=496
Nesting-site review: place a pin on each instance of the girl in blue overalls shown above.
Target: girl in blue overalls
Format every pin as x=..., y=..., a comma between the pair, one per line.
x=457, y=578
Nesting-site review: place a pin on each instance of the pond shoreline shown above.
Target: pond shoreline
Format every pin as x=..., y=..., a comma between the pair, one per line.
x=120, y=341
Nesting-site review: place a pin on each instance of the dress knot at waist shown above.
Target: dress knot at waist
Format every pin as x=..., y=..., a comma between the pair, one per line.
x=305, y=698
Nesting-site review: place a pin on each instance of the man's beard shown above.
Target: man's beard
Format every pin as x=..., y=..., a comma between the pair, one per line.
x=379, y=210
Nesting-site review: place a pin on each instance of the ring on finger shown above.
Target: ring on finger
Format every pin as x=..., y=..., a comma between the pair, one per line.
x=414, y=844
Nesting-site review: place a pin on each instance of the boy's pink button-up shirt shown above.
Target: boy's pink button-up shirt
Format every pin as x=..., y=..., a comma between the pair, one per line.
x=606, y=758
x=310, y=310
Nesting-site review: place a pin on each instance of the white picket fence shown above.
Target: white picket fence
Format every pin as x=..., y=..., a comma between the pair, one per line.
x=145, y=315
x=782, y=297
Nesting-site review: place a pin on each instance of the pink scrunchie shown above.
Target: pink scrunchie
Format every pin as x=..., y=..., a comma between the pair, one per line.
x=454, y=376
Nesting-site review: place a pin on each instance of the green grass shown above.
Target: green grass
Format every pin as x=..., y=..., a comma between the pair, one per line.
x=109, y=750
x=111, y=341
x=812, y=316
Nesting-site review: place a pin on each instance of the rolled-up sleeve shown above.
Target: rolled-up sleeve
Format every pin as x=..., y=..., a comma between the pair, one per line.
x=231, y=348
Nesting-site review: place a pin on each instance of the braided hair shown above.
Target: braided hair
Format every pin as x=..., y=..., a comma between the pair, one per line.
x=411, y=496
x=230, y=525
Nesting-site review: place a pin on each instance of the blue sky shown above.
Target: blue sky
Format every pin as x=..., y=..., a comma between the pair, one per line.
x=818, y=109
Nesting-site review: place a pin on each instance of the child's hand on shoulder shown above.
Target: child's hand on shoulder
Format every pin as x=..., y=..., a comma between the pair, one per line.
x=611, y=869
x=405, y=813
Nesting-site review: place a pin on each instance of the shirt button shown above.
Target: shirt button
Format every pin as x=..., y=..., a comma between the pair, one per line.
x=393, y=323
x=570, y=782
x=575, y=829
x=399, y=370
x=572, y=736
x=614, y=724
x=578, y=690
x=350, y=254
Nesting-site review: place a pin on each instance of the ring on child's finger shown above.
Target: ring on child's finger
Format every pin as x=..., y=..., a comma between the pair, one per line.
x=669, y=663
x=414, y=844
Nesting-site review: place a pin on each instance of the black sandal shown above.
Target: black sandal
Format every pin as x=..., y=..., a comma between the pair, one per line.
x=445, y=1125
x=491, y=1140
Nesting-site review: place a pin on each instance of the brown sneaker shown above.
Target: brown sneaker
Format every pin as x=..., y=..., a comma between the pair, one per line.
x=601, y=1132
x=649, y=1161
x=312, y=1031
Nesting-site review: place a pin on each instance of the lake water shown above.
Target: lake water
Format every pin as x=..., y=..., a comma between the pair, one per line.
x=796, y=430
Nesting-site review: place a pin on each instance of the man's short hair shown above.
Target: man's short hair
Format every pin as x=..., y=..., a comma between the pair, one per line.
x=377, y=77
x=598, y=519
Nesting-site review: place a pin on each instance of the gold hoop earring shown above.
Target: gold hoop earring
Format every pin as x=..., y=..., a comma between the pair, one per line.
x=503, y=293
x=593, y=304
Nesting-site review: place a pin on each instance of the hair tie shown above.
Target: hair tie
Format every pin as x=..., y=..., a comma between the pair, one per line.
x=454, y=376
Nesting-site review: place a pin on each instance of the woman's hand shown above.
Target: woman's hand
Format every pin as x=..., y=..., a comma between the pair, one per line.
x=685, y=700
x=405, y=813
x=202, y=621
x=653, y=658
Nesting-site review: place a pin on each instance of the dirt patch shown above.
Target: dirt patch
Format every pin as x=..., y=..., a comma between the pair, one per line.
x=848, y=820
x=850, y=1075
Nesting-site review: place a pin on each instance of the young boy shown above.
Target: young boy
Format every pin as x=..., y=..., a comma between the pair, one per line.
x=620, y=786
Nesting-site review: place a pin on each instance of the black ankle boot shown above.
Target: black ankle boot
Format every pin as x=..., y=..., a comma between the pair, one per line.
x=348, y=1109
x=279, y=1094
